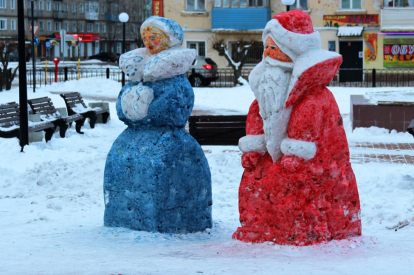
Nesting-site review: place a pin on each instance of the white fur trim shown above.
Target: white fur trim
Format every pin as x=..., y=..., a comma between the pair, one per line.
x=252, y=143
x=141, y=65
x=169, y=63
x=298, y=148
x=292, y=44
x=308, y=60
x=135, y=101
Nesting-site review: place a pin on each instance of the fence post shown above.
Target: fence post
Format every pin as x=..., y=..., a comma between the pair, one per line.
x=107, y=73
x=374, y=82
x=66, y=73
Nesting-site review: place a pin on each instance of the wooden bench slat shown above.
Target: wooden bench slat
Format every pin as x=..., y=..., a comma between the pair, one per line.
x=9, y=105
x=9, y=115
x=39, y=100
x=15, y=118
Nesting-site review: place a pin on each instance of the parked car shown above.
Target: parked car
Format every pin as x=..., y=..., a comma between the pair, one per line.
x=108, y=57
x=203, y=71
x=13, y=57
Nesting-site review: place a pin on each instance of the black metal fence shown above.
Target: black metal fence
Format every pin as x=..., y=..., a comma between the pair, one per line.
x=225, y=77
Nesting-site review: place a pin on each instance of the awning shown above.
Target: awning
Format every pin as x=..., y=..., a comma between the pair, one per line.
x=84, y=37
x=350, y=31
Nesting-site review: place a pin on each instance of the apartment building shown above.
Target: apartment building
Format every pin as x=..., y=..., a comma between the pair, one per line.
x=91, y=26
x=369, y=34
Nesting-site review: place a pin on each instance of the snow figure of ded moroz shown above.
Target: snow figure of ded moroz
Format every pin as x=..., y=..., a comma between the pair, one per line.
x=298, y=187
x=156, y=175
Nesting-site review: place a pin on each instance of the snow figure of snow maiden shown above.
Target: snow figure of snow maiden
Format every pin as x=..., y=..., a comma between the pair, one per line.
x=156, y=175
x=298, y=187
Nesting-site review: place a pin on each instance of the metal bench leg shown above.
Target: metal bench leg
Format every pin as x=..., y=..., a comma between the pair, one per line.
x=79, y=124
x=92, y=120
x=49, y=133
x=105, y=117
x=63, y=127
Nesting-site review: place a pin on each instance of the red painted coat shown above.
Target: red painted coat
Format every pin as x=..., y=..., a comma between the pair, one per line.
x=294, y=201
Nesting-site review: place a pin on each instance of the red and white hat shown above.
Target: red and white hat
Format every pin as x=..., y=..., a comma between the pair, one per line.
x=293, y=32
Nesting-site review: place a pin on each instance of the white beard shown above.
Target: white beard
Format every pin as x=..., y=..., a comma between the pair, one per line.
x=269, y=81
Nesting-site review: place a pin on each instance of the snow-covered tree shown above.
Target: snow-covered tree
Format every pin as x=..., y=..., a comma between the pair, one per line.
x=6, y=75
x=239, y=55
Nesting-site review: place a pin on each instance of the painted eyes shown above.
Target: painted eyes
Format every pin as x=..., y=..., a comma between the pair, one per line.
x=273, y=47
x=152, y=38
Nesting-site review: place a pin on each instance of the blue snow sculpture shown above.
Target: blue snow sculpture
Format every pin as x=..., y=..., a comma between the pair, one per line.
x=157, y=177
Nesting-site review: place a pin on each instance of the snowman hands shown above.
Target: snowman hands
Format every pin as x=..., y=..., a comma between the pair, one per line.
x=135, y=101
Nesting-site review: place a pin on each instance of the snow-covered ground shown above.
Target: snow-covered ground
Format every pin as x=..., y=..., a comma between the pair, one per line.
x=51, y=204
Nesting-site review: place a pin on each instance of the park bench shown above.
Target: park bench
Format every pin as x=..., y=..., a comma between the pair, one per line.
x=10, y=123
x=217, y=130
x=47, y=112
x=75, y=105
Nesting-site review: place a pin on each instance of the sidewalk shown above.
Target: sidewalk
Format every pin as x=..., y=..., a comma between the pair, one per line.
x=391, y=153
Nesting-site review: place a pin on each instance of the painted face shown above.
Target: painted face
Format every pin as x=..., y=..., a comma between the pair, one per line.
x=272, y=50
x=155, y=40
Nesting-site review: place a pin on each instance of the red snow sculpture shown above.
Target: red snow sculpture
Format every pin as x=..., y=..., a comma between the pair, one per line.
x=298, y=187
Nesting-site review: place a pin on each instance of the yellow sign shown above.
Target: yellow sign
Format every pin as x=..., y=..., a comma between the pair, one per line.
x=371, y=47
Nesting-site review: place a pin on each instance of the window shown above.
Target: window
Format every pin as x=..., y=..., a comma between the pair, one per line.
x=103, y=9
x=48, y=6
x=65, y=7
x=399, y=3
x=240, y=3
x=118, y=47
x=12, y=4
x=58, y=26
x=196, y=5
x=299, y=5
x=49, y=26
x=332, y=46
x=97, y=25
x=92, y=7
x=82, y=27
x=57, y=6
x=41, y=27
x=3, y=24
x=13, y=24
x=73, y=8
x=41, y=5
x=66, y=26
x=3, y=5
x=199, y=46
x=81, y=10
x=89, y=27
x=74, y=29
x=103, y=28
x=351, y=4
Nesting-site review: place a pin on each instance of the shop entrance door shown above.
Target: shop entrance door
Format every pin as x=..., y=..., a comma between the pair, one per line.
x=351, y=68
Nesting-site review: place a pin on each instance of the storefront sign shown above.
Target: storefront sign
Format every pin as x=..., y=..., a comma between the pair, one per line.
x=399, y=52
x=157, y=7
x=367, y=20
x=371, y=47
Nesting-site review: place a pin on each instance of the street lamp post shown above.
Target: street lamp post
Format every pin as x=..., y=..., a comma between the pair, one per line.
x=24, y=132
x=123, y=17
x=288, y=3
x=33, y=48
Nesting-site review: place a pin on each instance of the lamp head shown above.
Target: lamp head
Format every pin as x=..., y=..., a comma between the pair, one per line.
x=123, y=17
x=288, y=2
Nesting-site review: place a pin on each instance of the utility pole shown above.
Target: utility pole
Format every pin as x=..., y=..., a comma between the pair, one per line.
x=33, y=49
x=24, y=124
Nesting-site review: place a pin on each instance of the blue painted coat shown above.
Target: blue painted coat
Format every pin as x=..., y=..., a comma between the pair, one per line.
x=156, y=175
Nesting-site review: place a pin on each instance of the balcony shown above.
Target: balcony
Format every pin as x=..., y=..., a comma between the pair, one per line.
x=60, y=15
x=91, y=15
x=111, y=17
x=397, y=19
x=36, y=13
x=239, y=19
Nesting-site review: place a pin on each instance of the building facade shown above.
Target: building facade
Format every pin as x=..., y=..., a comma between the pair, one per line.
x=368, y=33
x=90, y=26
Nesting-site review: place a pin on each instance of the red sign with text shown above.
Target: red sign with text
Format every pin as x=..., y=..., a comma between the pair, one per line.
x=158, y=7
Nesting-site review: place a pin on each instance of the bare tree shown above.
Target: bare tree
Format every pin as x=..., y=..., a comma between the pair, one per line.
x=6, y=75
x=240, y=50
